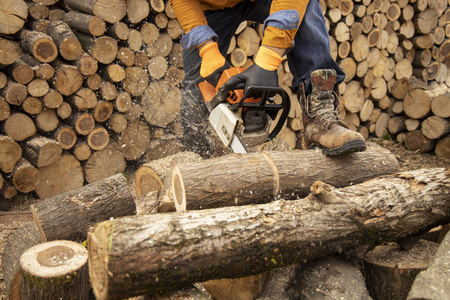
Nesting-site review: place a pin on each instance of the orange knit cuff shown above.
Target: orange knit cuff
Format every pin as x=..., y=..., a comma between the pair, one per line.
x=268, y=59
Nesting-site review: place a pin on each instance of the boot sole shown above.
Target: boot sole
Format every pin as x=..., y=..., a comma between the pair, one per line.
x=347, y=148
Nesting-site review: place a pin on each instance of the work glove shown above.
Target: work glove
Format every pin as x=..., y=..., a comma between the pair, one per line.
x=262, y=73
x=213, y=63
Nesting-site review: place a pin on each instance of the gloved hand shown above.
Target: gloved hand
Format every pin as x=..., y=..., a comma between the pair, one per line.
x=213, y=63
x=262, y=73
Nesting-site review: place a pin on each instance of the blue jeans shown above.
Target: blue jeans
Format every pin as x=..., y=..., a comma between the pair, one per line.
x=310, y=52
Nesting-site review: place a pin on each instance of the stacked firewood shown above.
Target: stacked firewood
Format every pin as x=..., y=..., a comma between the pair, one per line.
x=86, y=88
x=395, y=55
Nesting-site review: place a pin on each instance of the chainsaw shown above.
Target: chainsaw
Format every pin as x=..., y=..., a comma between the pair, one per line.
x=240, y=119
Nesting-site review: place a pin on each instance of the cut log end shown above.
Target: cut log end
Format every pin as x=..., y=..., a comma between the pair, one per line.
x=178, y=190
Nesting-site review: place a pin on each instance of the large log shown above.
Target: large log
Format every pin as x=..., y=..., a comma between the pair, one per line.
x=259, y=177
x=143, y=254
x=69, y=215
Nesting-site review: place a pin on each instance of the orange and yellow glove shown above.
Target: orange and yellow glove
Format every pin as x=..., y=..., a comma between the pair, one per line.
x=213, y=62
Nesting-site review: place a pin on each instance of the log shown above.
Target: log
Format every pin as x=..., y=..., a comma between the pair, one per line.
x=10, y=153
x=40, y=45
x=157, y=66
x=53, y=99
x=111, y=11
x=99, y=165
x=443, y=147
x=62, y=176
x=19, y=127
x=64, y=110
x=440, y=106
x=135, y=140
x=390, y=270
x=82, y=151
x=25, y=176
x=55, y=270
x=38, y=88
x=65, y=136
x=42, y=151
x=435, y=127
x=104, y=49
x=108, y=91
x=271, y=235
x=15, y=93
x=5, y=110
x=21, y=72
x=83, y=99
x=13, y=15
x=270, y=175
x=25, y=237
x=67, y=79
x=68, y=44
x=134, y=40
x=136, y=81
x=432, y=283
x=9, y=52
x=151, y=176
x=81, y=208
x=137, y=10
x=103, y=111
x=98, y=138
x=47, y=120
x=32, y=106
x=117, y=122
x=416, y=141
x=417, y=104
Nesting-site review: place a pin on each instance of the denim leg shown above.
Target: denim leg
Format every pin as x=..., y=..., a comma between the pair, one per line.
x=312, y=48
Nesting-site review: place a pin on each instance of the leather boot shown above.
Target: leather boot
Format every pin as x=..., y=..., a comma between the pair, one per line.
x=322, y=125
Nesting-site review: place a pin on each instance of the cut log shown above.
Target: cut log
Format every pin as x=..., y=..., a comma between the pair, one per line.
x=19, y=127
x=161, y=20
x=417, y=104
x=38, y=87
x=55, y=270
x=103, y=111
x=40, y=45
x=432, y=283
x=390, y=270
x=83, y=207
x=64, y=110
x=135, y=140
x=22, y=239
x=137, y=10
x=65, y=136
x=64, y=175
x=42, y=151
x=136, y=81
x=111, y=11
x=117, y=123
x=151, y=176
x=443, y=147
x=108, y=91
x=13, y=15
x=396, y=124
x=353, y=97
x=274, y=175
x=238, y=57
x=103, y=164
x=32, y=106
x=157, y=5
x=83, y=99
x=272, y=235
x=82, y=151
x=15, y=93
x=68, y=45
x=440, y=106
x=10, y=153
x=412, y=124
x=98, y=138
x=104, y=49
x=157, y=66
x=67, y=79
x=9, y=52
x=249, y=41
x=161, y=103
x=5, y=110
x=21, y=72
x=416, y=141
x=248, y=287
x=83, y=123
x=25, y=176
x=85, y=23
x=47, y=120
x=435, y=127
x=53, y=99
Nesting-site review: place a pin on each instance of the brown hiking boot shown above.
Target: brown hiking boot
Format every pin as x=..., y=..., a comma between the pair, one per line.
x=321, y=121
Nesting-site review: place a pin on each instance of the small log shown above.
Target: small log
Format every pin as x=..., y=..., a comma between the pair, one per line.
x=22, y=239
x=157, y=66
x=3, y=80
x=174, y=29
x=149, y=33
x=98, y=138
x=40, y=45
x=83, y=99
x=38, y=87
x=94, y=82
x=68, y=44
x=390, y=270
x=86, y=64
x=64, y=110
x=83, y=207
x=396, y=124
x=82, y=122
x=104, y=49
x=82, y=151
x=161, y=20
x=21, y=72
x=273, y=175
x=416, y=141
x=164, y=44
x=267, y=233
x=157, y=5
x=32, y=106
x=47, y=120
x=5, y=110
x=53, y=99
x=137, y=10
x=55, y=270
x=103, y=111
x=136, y=81
x=443, y=147
x=19, y=127
x=108, y=91
x=161, y=103
x=417, y=104
x=117, y=122
x=25, y=176
x=174, y=76
x=9, y=52
x=14, y=93
x=65, y=136
x=248, y=287
x=151, y=176
x=111, y=11
x=435, y=127
x=10, y=152
x=135, y=140
x=64, y=175
x=67, y=79
x=119, y=30
x=353, y=97
x=440, y=106
x=13, y=16
x=42, y=151
x=134, y=40
x=141, y=59
x=99, y=165
x=238, y=57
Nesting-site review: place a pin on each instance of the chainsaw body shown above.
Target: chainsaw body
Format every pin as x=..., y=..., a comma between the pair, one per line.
x=240, y=120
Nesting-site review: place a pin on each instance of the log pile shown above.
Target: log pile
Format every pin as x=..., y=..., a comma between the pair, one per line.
x=83, y=84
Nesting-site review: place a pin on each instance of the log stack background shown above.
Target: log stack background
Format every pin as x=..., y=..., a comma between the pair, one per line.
x=90, y=88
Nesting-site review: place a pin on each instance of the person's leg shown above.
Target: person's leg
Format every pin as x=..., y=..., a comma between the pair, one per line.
x=315, y=76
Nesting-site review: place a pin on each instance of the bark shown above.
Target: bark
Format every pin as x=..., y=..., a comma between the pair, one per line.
x=220, y=181
x=143, y=254
x=55, y=270
x=69, y=215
